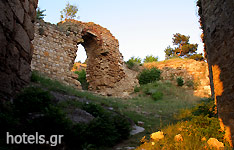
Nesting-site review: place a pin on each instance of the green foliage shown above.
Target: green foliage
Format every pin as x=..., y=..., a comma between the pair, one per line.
x=82, y=79
x=136, y=89
x=69, y=12
x=31, y=100
x=130, y=64
x=40, y=14
x=157, y=95
x=149, y=75
x=107, y=128
x=180, y=81
x=205, y=126
x=197, y=57
x=133, y=63
x=190, y=83
x=34, y=111
x=184, y=49
x=135, y=59
x=202, y=124
x=150, y=58
x=206, y=108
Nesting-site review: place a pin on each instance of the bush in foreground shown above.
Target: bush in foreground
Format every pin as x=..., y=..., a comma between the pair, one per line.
x=149, y=75
x=34, y=110
x=195, y=133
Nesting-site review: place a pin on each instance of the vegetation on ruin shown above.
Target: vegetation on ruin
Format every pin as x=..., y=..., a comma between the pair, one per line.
x=183, y=48
x=69, y=12
x=150, y=58
x=40, y=14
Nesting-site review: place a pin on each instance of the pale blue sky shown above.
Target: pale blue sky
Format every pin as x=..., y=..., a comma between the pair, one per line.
x=143, y=27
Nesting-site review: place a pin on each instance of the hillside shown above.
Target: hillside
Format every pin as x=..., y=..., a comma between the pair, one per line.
x=81, y=114
x=195, y=73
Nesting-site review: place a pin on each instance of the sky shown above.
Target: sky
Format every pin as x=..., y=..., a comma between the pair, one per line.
x=143, y=27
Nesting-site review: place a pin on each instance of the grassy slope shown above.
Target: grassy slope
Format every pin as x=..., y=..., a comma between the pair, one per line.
x=154, y=114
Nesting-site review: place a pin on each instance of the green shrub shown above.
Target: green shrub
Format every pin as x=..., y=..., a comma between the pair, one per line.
x=202, y=122
x=136, y=89
x=180, y=81
x=34, y=111
x=82, y=79
x=149, y=91
x=107, y=128
x=133, y=63
x=157, y=95
x=206, y=108
x=149, y=75
x=130, y=64
x=35, y=76
x=205, y=126
x=32, y=99
x=135, y=60
x=190, y=83
x=150, y=58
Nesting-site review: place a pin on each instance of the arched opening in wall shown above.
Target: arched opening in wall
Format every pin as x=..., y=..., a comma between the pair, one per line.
x=79, y=66
x=80, y=55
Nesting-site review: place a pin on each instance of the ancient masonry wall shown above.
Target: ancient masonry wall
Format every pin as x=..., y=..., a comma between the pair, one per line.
x=16, y=33
x=55, y=52
x=218, y=27
x=189, y=70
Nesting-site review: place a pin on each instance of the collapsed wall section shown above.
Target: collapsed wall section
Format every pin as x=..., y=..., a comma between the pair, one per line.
x=194, y=73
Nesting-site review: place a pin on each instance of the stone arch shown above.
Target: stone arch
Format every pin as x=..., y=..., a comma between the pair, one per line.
x=55, y=53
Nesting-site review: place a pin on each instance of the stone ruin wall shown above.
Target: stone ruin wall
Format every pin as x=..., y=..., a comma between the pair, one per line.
x=55, y=50
x=188, y=69
x=54, y=53
x=16, y=33
x=217, y=20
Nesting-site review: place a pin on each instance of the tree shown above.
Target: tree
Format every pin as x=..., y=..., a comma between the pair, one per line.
x=69, y=12
x=150, y=58
x=184, y=49
x=40, y=15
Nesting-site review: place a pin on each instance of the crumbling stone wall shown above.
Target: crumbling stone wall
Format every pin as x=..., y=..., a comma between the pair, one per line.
x=16, y=33
x=218, y=27
x=189, y=70
x=55, y=52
